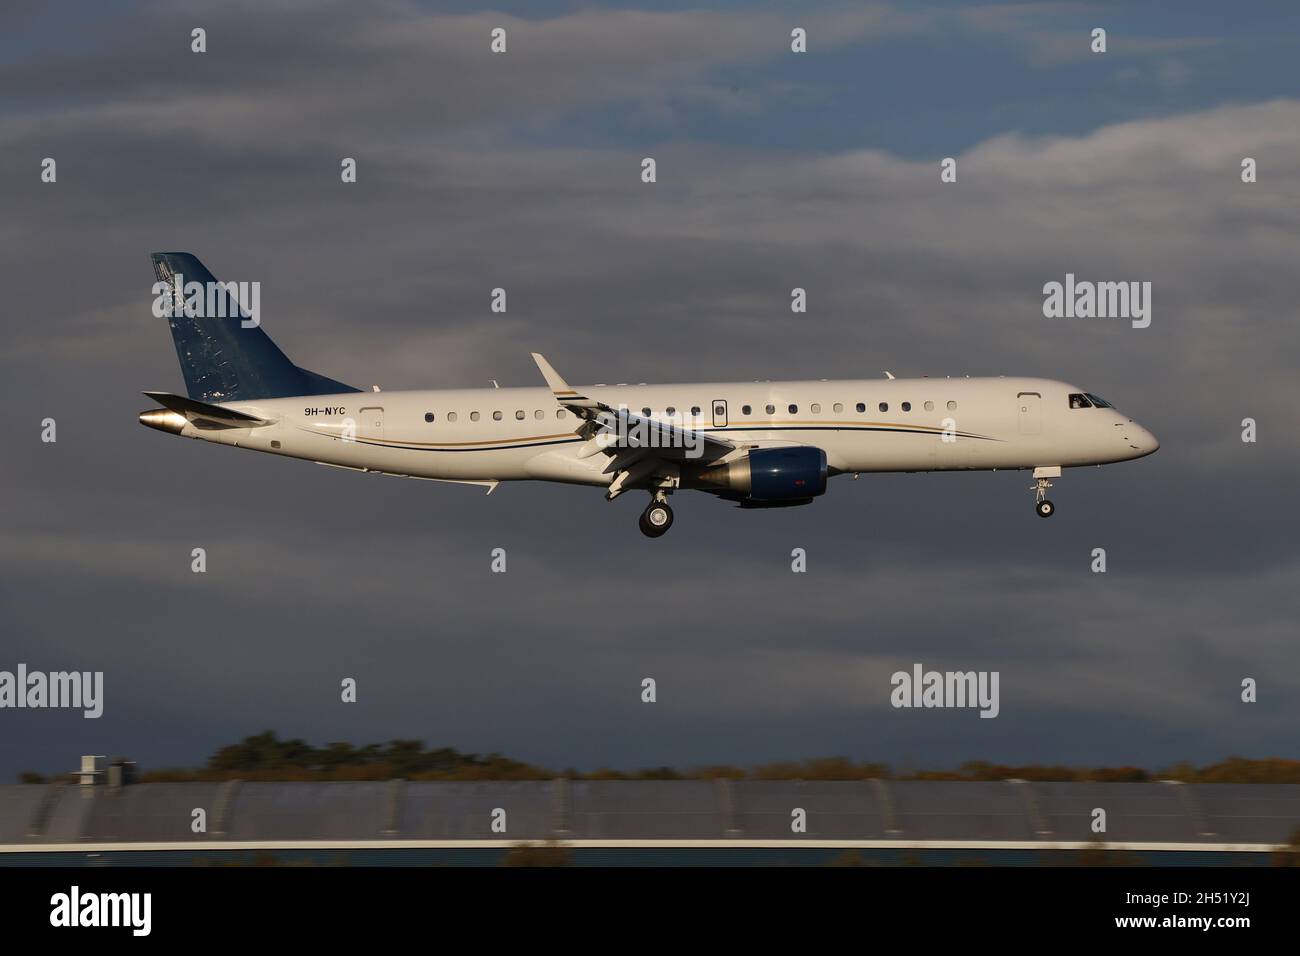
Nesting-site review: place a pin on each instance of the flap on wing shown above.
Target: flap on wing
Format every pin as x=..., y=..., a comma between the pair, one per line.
x=197, y=411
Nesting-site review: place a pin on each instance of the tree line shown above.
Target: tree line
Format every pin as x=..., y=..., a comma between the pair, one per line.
x=266, y=756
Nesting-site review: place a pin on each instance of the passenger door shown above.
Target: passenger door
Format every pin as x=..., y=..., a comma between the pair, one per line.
x=1031, y=413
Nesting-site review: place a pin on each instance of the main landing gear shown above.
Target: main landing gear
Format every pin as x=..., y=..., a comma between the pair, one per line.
x=657, y=517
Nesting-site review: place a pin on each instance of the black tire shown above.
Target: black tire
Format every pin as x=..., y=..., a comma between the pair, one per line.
x=656, y=520
x=1045, y=508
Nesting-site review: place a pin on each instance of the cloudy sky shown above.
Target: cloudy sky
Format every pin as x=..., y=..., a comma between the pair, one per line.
x=775, y=170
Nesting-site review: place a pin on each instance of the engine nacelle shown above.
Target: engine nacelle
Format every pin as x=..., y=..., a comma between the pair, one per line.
x=793, y=474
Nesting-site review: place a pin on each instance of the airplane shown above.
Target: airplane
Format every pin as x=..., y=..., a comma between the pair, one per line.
x=756, y=444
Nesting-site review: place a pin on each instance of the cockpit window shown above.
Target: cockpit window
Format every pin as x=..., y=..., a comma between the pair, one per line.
x=1079, y=400
x=1099, y=402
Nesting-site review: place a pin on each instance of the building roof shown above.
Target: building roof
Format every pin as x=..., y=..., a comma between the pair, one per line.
x=906, y=812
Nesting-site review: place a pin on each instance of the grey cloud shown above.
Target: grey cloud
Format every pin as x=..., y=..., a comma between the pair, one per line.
x=402, y=73
x=1034, y=28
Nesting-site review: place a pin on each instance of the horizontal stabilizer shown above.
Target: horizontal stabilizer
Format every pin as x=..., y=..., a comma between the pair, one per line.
x=204, y=413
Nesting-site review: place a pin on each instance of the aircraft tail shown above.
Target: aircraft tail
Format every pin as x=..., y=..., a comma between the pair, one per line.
x=221, y=359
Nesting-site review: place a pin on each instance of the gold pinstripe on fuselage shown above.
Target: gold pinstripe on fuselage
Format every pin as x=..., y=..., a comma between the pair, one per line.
x=770, y=425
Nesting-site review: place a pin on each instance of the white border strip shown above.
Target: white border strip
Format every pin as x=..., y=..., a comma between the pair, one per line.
x=398, y=844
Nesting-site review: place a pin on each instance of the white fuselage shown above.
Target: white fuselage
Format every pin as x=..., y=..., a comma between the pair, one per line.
x=870, y=425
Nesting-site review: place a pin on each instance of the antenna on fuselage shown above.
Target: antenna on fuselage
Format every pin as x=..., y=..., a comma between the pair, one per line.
x=889, y=375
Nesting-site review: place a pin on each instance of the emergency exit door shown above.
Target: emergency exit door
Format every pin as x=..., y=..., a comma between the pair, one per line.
x=370, y=422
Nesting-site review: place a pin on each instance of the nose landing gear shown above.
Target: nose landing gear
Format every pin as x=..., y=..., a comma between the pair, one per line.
x=1044, y=507
x=1042, y=476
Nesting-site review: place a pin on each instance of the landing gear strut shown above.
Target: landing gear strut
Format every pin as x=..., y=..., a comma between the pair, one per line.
x=1044, y=507
x=657, y=517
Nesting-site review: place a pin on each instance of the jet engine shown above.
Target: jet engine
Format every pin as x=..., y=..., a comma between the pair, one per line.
x=767, y=477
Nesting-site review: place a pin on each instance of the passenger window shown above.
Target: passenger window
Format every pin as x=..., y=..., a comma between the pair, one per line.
x=929, y=406
x=473, y=416
x=519, y=415
x=794, y=409
x=883, y=406
x=451, y=416
x=1078, y=401
x=496, y=416
x=839, y=407
x=539, y=414
x=862, y=407
x=907, y=406
x=952, y=406
x=771, y=409
x=645, y=412
x=815, y=408
x=695, y=411
x=559, y=413
x=670, y=411
x=745, y=410
x=428, y=416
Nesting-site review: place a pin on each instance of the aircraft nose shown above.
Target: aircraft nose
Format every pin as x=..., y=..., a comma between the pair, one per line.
x=1138, y=441
x=1141, y=439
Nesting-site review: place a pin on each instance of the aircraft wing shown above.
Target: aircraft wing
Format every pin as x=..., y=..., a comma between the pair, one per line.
x=618, y=430
x=638, y=447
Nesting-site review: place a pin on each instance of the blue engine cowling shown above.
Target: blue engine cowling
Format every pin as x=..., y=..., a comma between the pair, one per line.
x=766, y=477
x=786, y=474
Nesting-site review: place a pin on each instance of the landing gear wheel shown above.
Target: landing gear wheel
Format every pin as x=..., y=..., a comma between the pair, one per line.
x=1045, y=508
x=656, y=519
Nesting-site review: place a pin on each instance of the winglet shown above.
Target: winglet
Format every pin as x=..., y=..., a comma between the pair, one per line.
x=563, y=392
x=557, y=384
